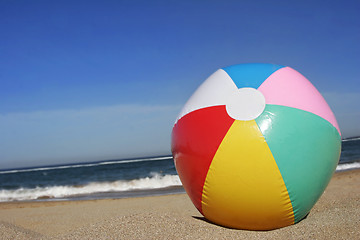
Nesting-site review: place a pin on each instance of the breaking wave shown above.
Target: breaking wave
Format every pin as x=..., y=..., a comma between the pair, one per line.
x=348, y=166
x=153, y=182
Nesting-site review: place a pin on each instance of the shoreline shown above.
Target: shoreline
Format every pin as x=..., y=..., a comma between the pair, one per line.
x=173, y=190
x=335, y=216
x=109, y=195
x=145, y=192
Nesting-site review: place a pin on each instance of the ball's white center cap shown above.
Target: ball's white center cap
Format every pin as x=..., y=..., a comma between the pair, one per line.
x=245, y=104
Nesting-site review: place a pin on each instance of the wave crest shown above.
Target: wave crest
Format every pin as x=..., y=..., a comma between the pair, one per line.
x=155, y=181
x=348, y=166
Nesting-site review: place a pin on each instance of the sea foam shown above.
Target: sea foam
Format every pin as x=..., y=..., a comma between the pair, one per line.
x=154, y=182
x=348, y=166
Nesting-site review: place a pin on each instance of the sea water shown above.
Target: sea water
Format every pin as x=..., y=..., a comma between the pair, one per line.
x=113, y=178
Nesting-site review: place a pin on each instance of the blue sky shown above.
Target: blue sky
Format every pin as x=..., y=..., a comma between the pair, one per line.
x=94, y=80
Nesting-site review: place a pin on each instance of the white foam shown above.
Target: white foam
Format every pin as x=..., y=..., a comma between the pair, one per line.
x=347, y=166
x=351, y=139
x=153, y=182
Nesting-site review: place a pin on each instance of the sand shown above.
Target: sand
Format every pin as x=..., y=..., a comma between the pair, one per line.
x=335, y=216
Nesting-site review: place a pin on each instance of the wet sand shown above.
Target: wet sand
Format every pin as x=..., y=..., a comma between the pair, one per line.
x=335, y=216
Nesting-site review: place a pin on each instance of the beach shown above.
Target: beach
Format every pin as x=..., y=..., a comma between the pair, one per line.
x=335, y=216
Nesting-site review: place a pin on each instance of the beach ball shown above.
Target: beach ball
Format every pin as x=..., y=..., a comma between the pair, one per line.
x=255, y=146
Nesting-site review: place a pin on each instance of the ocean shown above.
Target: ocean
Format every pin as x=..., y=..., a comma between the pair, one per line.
x=113, y=178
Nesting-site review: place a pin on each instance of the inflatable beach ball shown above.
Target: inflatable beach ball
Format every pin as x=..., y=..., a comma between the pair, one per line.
x=255, y=146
